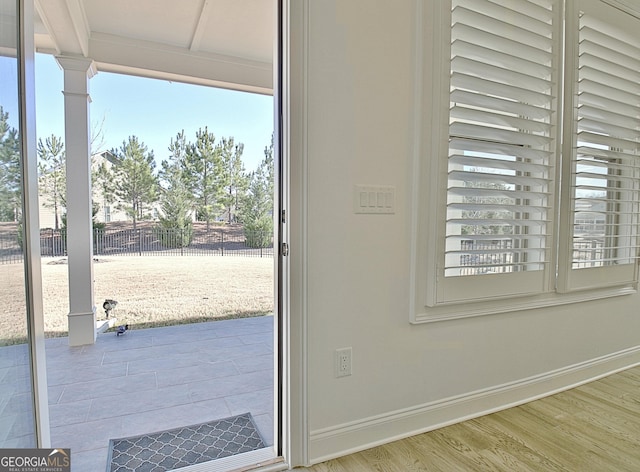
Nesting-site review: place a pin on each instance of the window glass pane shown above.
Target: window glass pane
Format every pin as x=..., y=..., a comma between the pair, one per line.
x=16, y=404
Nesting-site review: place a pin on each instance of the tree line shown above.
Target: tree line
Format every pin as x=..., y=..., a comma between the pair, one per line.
x=203, y=179
x=10, y=171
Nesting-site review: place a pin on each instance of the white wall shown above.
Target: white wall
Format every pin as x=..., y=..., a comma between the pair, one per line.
x=406, y=378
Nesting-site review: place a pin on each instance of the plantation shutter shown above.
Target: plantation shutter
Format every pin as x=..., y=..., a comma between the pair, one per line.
x=501, y=151
x=603, y=77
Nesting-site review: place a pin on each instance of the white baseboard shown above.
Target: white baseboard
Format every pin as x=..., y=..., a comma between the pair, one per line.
x=347, y=438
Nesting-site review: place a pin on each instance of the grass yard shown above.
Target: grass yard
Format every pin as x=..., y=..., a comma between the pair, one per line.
x=150, y=290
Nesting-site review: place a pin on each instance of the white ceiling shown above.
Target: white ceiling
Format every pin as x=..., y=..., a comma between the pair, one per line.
x=226, y=43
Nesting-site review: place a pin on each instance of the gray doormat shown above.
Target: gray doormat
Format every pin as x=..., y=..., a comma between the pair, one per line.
x=180, y=447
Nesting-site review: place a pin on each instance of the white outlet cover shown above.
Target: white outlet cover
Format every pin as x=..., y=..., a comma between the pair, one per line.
x=343, y=358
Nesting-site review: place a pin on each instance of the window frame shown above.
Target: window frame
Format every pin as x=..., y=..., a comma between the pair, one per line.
x=429, y=290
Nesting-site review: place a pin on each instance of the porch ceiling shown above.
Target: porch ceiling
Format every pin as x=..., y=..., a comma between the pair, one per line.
x=225, y=43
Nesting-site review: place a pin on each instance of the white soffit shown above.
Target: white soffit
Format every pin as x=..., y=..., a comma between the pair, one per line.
x=160, y=21
x=223, y=43
x=246, y=32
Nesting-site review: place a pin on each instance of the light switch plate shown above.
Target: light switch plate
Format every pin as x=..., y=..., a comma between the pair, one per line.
x=379, y=199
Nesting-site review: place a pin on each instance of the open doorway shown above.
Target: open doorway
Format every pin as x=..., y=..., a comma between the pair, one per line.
x=190, y=264
x=184, y=356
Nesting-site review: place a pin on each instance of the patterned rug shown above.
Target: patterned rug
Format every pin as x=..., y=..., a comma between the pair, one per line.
x=180, y=447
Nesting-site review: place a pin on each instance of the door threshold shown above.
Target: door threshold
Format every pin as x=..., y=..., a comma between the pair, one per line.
x=263, y=459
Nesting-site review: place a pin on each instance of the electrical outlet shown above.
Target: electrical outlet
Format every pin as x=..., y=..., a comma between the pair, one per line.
x=343, y=362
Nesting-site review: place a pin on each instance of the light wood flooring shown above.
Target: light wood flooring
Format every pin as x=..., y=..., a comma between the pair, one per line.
x=594, y=427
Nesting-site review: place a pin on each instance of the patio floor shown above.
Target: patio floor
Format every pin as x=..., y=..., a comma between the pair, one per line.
x=154, y=379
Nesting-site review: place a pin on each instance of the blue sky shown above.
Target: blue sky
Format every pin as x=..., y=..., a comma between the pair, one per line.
x=156, y=110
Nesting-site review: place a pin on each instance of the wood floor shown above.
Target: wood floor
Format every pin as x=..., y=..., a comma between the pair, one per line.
x=595, y=427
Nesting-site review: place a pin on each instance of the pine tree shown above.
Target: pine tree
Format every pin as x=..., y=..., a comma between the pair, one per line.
x=176, y=200
x=176, y=227
x=178, y=152
x=53, y=176
x=136, y=184
x=10, y=171
x=236, y=179
x=204, y=175
x=257, y=207
x=177, y=163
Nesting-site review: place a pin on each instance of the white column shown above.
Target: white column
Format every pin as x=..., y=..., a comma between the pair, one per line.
x=82, y=310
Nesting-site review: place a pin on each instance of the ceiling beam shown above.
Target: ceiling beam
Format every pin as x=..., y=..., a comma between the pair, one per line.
x=80, y=24
x=47, y=24
x=66, y=24
x=196, y=38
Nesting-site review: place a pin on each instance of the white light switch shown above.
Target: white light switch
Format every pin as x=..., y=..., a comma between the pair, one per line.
x=374, y=199
x=364, y=199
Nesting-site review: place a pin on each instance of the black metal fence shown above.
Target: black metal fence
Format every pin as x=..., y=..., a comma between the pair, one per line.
x=485, y=257
x=147, y=241
x=10, y=248
x=496, y=256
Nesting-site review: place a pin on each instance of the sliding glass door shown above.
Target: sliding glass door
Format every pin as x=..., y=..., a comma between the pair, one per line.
x=17, y=424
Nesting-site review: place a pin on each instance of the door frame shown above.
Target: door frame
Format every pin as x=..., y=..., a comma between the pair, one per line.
x=290, y=102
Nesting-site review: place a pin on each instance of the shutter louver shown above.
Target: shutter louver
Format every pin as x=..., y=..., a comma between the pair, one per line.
x=501, y=137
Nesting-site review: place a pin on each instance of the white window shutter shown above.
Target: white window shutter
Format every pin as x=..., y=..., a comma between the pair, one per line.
x=501, y=153
x=601, y=212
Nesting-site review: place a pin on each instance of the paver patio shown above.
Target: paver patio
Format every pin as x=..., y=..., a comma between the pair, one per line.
x=154, y=379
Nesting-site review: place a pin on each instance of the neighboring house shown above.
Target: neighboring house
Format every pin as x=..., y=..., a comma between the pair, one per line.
x=46, y=214
x=108, y=211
